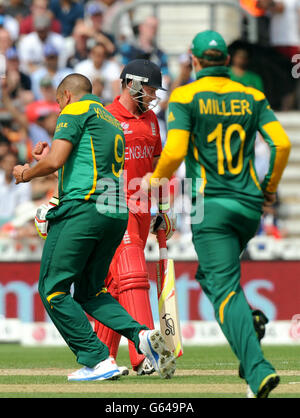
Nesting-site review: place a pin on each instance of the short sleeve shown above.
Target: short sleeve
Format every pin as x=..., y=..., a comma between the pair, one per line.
x=179, y=114
x=67, y=127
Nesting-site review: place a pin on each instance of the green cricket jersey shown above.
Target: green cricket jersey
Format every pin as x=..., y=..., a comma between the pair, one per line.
x=93, y=171
x=221, y=119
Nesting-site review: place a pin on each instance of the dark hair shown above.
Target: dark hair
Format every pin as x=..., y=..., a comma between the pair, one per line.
x=77, y=83
x=215, y=59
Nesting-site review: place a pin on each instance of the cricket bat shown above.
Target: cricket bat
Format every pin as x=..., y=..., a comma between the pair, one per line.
x=167, y=298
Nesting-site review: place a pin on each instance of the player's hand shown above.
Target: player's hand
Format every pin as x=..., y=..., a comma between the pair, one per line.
x=270, y=199
x=145, y=184
x=18, y=173
x=164, y=221
x=40, y=220
x=40, y=150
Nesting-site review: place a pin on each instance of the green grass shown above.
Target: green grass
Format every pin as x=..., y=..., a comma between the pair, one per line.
x=194, y=358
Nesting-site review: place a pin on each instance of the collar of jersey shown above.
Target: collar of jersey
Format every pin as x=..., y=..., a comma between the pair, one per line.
x=90, y=97
x=218, y=71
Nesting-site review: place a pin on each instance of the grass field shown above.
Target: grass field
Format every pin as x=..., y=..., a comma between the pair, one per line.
x=202, y=372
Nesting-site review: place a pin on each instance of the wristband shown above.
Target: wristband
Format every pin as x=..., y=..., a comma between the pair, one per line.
x=164, y=207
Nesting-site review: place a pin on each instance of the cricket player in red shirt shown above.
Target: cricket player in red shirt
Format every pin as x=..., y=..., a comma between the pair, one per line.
x=127, y=279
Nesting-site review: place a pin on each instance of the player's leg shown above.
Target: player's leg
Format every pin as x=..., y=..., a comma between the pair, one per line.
x=90, y=289
x=134, y=281
x=129, y=272
x=105, y=309
x=66, y=251
x=218, y=246
x=108, y=336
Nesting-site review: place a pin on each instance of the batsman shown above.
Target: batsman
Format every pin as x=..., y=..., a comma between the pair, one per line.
x=212, y=124
x=127, y=280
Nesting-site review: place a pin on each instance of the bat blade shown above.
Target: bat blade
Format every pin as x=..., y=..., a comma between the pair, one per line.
x=168, y=307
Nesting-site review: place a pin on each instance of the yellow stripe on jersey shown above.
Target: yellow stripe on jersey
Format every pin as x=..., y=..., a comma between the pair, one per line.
x=253, y=175
x=95, y=173
x=203, y=172
x=62, y=177
x=78, y=108
x=220, y=85
x=280, y=147
x=203, y=176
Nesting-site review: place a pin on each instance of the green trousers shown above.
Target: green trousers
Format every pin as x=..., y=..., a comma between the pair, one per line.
x=219, y=241
x=78, y=250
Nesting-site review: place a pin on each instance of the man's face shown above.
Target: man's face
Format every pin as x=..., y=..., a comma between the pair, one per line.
x=52, y=62
x=43, y=33
x=150, y=95
x=7, y=164
x=98, y=56
x=145, y=97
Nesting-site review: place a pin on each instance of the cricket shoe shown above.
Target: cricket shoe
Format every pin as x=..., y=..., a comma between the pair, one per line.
x=153, y=346
x=145, y=367
x=268, y=384
x=105, y=370
x=124, y=370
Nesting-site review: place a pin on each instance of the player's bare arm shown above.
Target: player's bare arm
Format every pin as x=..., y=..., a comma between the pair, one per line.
x=54, y=160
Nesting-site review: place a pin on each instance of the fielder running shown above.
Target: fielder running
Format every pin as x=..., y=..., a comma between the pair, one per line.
x=212, y=123
x=85, y=230
x=127, y=280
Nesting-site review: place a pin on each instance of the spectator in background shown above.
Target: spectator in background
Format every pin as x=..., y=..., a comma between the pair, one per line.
x=31, y=46
x=68, y=12
x=42, y=114
x=94, y=20
x=258, y=10
x=285, y=26
x=17, y=9
x=185, y=73
x=145, y=47
x=285, y=38
x=39, y=119
x=38, y=8
x=18, y=83
x=10, y=194
x=239, y=69
x=79, y=48
x=98, y=66
x=6, y=41
x=50, y=70
x=8, y=22
x=98, y=87
x=5, y=145
x=111, y=8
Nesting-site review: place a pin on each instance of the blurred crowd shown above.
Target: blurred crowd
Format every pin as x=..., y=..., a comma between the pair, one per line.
x=44, y=40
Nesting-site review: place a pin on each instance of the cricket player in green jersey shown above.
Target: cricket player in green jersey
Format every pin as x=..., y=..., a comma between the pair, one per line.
x=86, y=227
x=212, y=124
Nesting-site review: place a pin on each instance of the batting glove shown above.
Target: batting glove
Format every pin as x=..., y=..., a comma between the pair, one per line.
x=40, y=221
x=164, y=221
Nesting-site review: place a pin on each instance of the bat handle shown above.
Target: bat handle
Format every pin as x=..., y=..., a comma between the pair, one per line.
x=162, y=242
x=161, y=238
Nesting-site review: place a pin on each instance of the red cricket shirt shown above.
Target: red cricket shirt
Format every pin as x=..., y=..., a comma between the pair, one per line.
x=142, y=144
